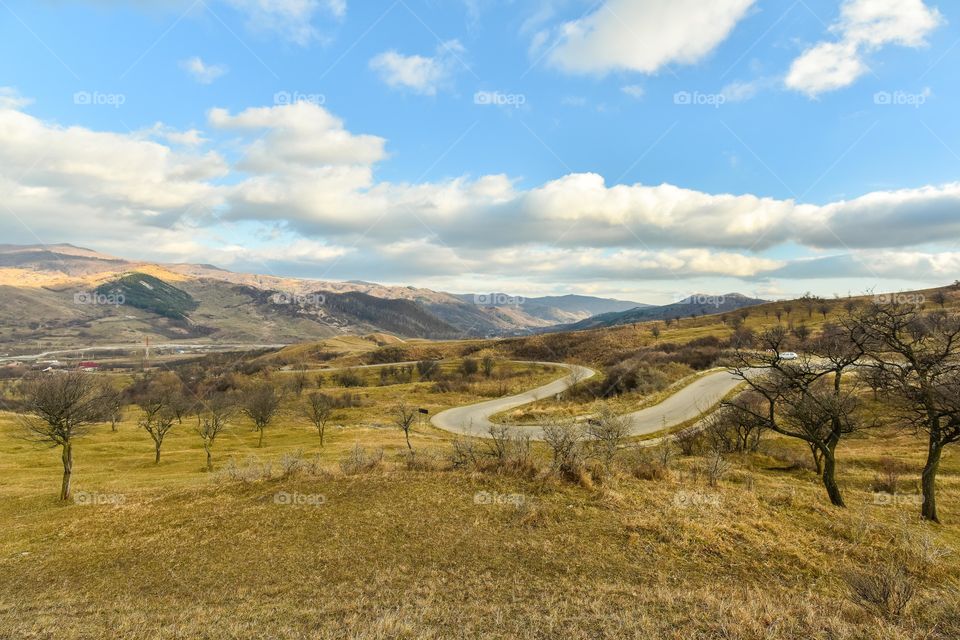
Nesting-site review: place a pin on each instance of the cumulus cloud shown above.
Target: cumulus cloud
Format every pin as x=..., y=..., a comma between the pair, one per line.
x=645, y=36
x=298, y=174
x=290, y=19
x=302, y=134
x=201, y=71
x=421, y=74
x=864, y=26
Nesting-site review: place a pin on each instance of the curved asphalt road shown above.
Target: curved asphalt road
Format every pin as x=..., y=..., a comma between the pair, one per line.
x=686, y=404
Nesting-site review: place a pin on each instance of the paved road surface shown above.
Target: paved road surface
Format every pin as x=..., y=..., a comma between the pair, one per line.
x=686, y=404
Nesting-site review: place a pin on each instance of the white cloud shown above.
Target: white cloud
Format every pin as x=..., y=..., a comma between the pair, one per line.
x=201, y=71
x=291, y=19
x=300, y=134
x=864, y=26
x=635, y=91
x=311, y=183
x=421, y=74
x=10, y=98
x=645, y=36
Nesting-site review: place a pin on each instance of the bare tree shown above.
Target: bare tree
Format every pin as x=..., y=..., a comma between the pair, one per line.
x=732, y=429
x=608, y=432
x=655, y=330
x=212, y=421
x=404, y=417
x=318, y=409
x=804, y=399
x=488, y=365
x=156, y=417
x=824, y=309
x=113, y=406
x=59, y=409
x=260, y=404
x=919, y=355
x=563, y=439
x=940, y=298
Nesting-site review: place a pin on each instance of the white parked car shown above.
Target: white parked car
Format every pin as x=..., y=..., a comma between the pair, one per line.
x=788, y=355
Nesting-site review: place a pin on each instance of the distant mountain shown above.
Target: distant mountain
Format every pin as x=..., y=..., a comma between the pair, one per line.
x=68, y=295
x=695, y=305
x=550, y=309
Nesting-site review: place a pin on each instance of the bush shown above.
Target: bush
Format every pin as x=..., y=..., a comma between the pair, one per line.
x=359, y=461
x=349, y=378
x=886, y=590
x=888, y=475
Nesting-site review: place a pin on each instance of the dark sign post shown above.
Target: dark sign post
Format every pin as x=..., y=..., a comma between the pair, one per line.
x=422, y=413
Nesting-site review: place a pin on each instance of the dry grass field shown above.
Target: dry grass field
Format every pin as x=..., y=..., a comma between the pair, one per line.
x=273, y=545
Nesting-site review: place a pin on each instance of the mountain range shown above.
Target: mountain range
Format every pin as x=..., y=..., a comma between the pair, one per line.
x=67, y=295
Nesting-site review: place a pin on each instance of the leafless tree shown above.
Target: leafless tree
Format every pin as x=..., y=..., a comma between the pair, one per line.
x=404, y=416
x=564, y=439
x=731, y=429
x=655, y=330
x=59, y=408
x=803, y=398
x=261, y=404
x=156, y=418
x=939, y=298
x=488, y=365
x=212, y=420
x=919, y=354
x=824, y=309
x=318, y=409
x=608, y=431
x=113, y=405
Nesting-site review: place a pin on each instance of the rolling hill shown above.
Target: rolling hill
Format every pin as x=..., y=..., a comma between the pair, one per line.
x=63, y=295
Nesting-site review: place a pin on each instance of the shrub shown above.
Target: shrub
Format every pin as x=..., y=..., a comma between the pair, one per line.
x=359, y=461
x=888, y=475
x=886, y=590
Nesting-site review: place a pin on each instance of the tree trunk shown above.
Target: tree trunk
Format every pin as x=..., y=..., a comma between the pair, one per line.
x=817, y=458
x=260, y=444
x=409, y=446
x=156, y=459
x=67, y=457
x=321, y=436
x=206, y=447
x=928, y=481
x=829, y=479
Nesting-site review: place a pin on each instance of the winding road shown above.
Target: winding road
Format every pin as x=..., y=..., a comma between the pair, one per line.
x=686, y=404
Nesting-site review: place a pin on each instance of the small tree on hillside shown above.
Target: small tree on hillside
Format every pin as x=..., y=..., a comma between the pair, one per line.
x=919, y=355
x=113, y=406
x=608, y=432
x=261, y=404
x=488, y=365
x=318, y=409
x=212, y=421
x=157, y=418
x=59, y=409
x=404, y=416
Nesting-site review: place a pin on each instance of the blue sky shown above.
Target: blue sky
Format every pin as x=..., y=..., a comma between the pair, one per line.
x=643, y=149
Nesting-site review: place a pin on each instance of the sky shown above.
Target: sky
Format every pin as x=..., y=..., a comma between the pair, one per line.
x=638, y=149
